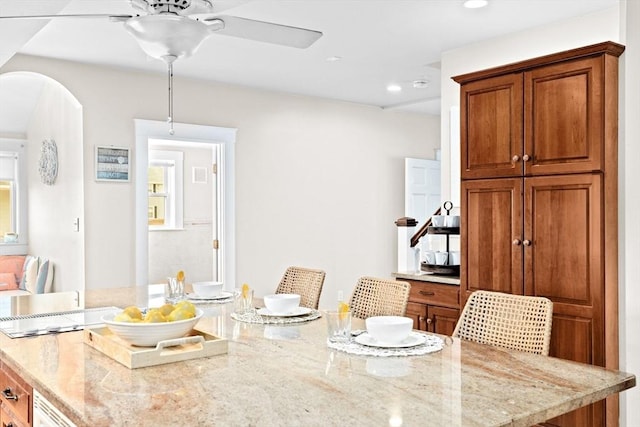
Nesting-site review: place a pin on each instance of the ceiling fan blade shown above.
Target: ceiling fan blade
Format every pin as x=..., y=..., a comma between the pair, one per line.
x=87, y=15
x=267, y=32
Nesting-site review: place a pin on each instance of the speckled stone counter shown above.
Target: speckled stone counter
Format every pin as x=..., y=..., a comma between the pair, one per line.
x=427, y=277
x=286, y=376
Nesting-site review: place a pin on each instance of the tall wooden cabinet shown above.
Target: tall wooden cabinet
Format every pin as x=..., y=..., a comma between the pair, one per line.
x=539, y=197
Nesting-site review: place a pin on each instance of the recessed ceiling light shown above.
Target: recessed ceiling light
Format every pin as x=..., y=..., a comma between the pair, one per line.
x=421, y=83
x=334, y=58
x=475, y=4
x=394, y=88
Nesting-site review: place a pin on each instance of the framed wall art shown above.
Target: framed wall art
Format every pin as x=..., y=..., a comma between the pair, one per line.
x=112, y=164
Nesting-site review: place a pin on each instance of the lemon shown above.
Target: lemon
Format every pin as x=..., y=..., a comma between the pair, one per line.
x=133, y=312
x=166, y=309
x=180, y=314
x=245, y=290
x=154, y=316
x=180, y=276
x=343, y=309
x=187, y=306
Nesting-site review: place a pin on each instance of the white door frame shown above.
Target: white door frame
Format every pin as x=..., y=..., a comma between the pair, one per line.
x=226, y=138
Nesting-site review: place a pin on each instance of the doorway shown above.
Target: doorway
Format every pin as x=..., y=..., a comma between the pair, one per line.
x=189, y=232
x=183, y=214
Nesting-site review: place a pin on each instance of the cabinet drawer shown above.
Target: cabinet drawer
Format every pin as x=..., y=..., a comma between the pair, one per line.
x=15, y=395
x=435, y=294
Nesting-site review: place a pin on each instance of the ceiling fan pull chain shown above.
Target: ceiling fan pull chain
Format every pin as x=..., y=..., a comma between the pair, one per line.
x=170, y=119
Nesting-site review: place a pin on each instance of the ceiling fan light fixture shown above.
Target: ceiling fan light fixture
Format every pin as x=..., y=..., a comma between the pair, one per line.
x=167, y=35
x=475, y=4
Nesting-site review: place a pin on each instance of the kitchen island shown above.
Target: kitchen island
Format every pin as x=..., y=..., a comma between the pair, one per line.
x=286, y=375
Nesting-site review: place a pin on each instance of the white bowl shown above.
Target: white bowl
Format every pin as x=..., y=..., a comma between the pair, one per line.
x=207, y=289
x=281, y=303
x=149, y=334
x=389, y=329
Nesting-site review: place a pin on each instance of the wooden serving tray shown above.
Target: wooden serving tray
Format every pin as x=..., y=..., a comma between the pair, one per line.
x=192, y=346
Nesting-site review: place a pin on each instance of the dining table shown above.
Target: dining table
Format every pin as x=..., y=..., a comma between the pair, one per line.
x=284, y=372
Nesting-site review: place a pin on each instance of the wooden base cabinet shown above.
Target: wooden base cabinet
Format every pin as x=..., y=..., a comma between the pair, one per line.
x=539, y=198
x=434, y=307
x=16, y=405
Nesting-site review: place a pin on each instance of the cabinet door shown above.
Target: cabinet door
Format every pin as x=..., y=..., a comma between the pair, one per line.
x=491, y=233
x=442, y=320
x=418, y=312
x=491, y=136
x=563, y=217
x=564, y=117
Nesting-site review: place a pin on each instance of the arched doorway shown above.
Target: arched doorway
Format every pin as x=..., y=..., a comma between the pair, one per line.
x=36, y=110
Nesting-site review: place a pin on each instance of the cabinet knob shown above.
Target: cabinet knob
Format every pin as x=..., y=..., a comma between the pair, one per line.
x=429, y=321
x=427, y=293
x=515, y=158
x=516, y=242
x=526, y=158
x=526, y=242
x=9, y=395
x=421, y=318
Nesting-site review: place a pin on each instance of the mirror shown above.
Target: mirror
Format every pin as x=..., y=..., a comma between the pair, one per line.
x=36, y=110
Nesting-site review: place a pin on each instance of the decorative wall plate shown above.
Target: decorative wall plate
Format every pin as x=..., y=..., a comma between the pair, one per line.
x=48, y=167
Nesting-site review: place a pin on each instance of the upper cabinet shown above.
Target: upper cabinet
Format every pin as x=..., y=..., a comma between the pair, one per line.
x=491, y=127
x=544, y=116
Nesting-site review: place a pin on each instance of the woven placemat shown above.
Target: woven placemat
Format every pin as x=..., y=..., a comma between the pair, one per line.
x=431, y=345
x=272, y=320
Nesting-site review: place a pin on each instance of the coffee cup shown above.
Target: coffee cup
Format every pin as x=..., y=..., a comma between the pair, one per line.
x=452, y=221
x=454, y=258
x=437, y=220
x=430, y=257
x=441, y=258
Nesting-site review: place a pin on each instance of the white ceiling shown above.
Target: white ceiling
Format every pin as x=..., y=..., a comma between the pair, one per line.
x=380, y=42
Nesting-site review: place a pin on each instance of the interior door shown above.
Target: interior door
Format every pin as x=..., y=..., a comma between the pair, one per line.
x=422, y=188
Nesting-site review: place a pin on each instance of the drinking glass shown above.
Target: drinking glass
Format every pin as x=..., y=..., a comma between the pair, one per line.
x=339, y=326
x=244, y=303
x=175, y=290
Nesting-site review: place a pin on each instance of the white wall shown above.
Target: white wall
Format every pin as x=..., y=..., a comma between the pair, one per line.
x=615, y=24
x=53, y=208
x=318, y=183
x=629, y=206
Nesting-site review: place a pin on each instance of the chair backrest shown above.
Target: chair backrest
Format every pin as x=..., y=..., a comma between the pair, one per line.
x=516, y=322
x=305, y=282
x=379, y=297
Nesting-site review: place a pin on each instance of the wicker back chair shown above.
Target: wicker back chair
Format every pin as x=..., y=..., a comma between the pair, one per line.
x=379, y=297
x=516, y=322
x=305, y=282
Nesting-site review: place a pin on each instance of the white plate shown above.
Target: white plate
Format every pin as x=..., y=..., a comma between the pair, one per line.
x=299, y=311
x=223, y=295
x=412, y=340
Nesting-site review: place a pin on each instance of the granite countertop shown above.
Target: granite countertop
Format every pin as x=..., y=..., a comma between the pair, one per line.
x=286, y=375
x=427, y=277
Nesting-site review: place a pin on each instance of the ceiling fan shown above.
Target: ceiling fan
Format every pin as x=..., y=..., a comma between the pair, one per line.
x=172, y=29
